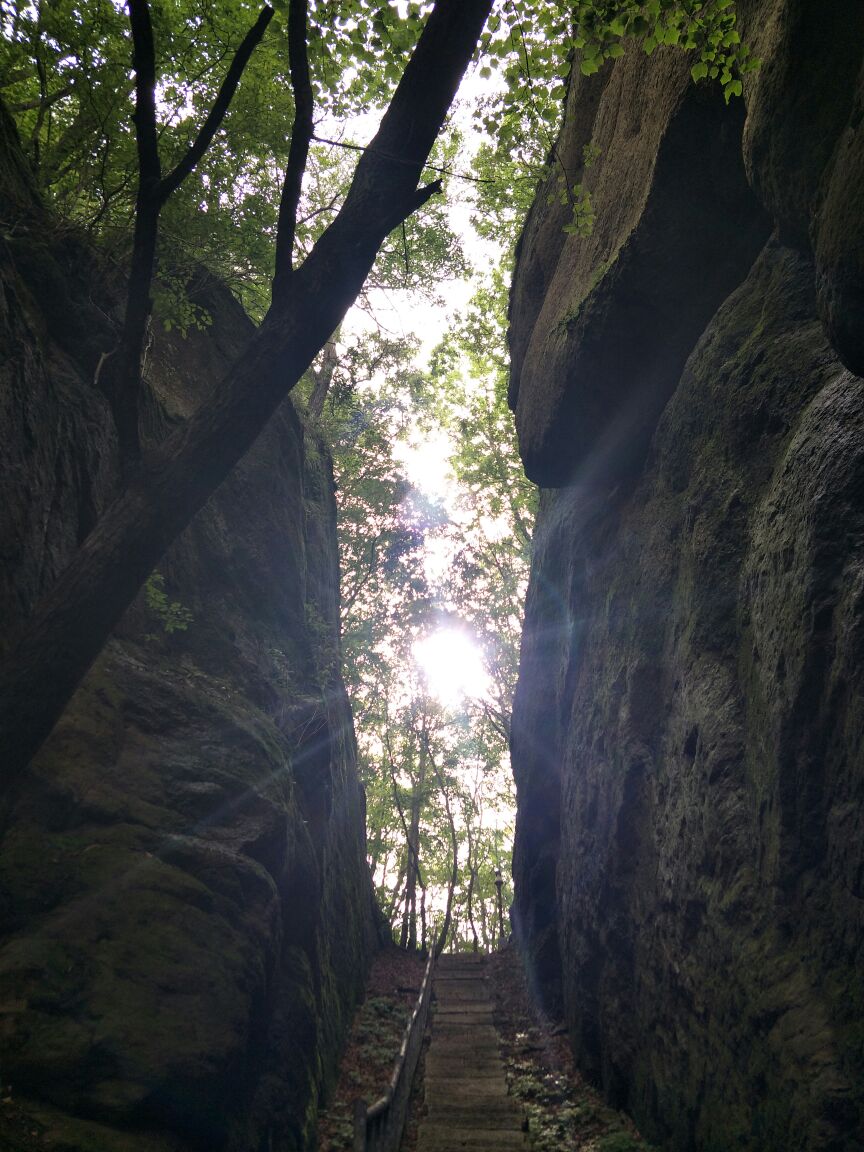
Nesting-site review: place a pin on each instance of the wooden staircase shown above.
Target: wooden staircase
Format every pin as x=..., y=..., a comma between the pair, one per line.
x=466, y=1101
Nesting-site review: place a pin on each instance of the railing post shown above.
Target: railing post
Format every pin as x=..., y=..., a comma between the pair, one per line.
x=359, y=1126
x=380, y=1128
x=499, y=880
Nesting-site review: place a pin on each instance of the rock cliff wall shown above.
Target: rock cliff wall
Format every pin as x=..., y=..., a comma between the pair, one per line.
x=186, y=908
x=688, y=734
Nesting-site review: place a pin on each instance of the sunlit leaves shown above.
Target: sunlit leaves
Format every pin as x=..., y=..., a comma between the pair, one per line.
x=529, y=45
x=66, y=69
x=489, y=572
x=67, y=76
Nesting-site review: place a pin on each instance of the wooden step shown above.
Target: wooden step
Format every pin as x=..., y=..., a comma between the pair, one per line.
x=467, y=1108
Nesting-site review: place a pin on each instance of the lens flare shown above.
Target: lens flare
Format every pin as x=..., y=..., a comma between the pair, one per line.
x=452, y=666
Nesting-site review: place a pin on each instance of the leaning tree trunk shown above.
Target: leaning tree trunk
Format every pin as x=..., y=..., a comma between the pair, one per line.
x=423, y=920
x=73, y=622
x=409, y=924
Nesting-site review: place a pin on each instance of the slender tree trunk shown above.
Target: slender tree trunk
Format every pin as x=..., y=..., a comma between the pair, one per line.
x=323, y=378
x=423, y=919
x=394, y=899
x=409, y=895
x=409, y=930
x=454, y=868
x=73, y=622
x=488, y=941
x=472, y=876
x=121, y=377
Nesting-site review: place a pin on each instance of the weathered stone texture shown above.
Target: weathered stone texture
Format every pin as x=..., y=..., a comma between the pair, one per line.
x=689, y=721
x=186, y=908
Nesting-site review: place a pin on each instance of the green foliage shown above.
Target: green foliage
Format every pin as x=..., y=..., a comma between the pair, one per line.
x=173, y=307
x=66, y=77
x=705, y=27
x=620, y=1142
x=65, y=65
x=424, y=764
x=530, y=45
x=578, y=198
x=497, y=503
x=171, y=615
x=562, y=1117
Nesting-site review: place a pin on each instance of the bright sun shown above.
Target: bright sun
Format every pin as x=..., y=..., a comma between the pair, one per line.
x=452, y=666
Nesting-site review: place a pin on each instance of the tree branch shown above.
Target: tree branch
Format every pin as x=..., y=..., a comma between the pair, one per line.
x=220, y=106
x=454, y=869
x=323, y=378
x=144, y=116
x=412, y=851
x=301, y=137
x=415, y=202
x=122, y=380
x=44, y=103
x=431, y=167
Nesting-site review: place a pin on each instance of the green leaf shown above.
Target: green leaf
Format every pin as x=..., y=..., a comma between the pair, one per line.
x=733, y=88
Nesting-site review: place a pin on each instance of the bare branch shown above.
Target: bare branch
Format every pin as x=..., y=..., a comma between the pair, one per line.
x=412, y=850
x=328, y=207
x=144, y=116
x=123, y=376
x=323, y=378
x=431, y=167
x=220, y=106
x=454, y=870
x=301, y=137
x=44, y=104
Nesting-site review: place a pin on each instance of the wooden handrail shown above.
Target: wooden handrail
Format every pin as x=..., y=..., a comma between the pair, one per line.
x=380, y=1128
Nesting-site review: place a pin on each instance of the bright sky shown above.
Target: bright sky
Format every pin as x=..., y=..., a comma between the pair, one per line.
x=450, y=660
x=452, y=666
x=408, y=313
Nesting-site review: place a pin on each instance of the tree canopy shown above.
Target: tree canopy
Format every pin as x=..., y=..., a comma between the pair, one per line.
x=439, y=794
